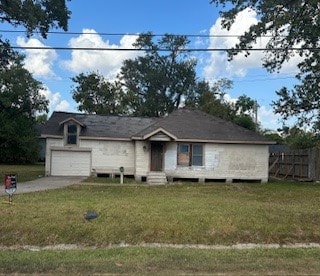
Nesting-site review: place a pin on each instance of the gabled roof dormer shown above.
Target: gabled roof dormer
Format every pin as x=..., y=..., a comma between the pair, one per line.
x=159, y=134
x=71, y=131
x=72, y=120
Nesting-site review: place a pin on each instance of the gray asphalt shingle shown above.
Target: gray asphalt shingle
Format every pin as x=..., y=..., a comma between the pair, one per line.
x=98, y=125
x=183, y=123
x=196, y=125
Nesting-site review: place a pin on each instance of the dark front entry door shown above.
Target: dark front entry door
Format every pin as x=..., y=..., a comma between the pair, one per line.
x=156, y=156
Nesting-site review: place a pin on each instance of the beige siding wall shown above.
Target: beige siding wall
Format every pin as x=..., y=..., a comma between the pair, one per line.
x=222, y=161
x=170, y=156
x=142, y=158
x=109, y=156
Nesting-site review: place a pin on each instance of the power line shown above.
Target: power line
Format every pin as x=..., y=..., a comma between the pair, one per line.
x=249, y=79
x=130, y=34
x=158, y=35
x=311, y=49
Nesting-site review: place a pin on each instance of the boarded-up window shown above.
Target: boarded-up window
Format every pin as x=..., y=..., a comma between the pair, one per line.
x=190, y=155
x=184, y=155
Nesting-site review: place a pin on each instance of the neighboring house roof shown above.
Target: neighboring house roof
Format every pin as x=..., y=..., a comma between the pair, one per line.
x=181, y=125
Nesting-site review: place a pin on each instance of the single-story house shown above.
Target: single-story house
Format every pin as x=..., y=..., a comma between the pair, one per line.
x=186, y=144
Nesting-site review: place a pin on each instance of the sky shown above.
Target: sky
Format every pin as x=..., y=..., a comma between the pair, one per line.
x=115, y=24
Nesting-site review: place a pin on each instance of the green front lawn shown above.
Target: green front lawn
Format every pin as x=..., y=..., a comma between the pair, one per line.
x=212, y=214
x=162, y=261
x=180, y=214
x=23, y=172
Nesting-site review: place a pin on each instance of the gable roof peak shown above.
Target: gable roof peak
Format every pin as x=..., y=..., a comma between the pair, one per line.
x=73, y=120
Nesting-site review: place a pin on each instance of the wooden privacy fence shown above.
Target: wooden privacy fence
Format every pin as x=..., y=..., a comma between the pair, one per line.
x=297, y=164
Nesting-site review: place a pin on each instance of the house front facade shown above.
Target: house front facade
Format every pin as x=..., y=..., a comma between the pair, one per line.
x=186, y=144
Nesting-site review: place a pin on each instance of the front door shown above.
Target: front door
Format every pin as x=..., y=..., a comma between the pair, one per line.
x=156, y=157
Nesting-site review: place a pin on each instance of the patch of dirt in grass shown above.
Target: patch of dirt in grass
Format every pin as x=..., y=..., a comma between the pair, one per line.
x=240, y=246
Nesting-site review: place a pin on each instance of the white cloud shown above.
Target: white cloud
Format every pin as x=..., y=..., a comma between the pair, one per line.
x=268, y=119
x=229, y=99
x=106, y=62
x=55, y=100
x=63, y=106
x=218, y=64
x=38, y=61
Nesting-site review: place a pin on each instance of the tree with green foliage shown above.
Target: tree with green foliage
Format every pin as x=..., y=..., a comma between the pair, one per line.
x=245, y=105
x=41, y=119
x=95, y=94
x=35, y=16
x=246, y=121
x=210, y=99
x=40, y=15
x=246, y=110
x=152, y=84
x=293, y=137
x=20, y=97
x=273, y=136
x=297, y=138
x=294, y=27
x=156, y=82
x=20, y=100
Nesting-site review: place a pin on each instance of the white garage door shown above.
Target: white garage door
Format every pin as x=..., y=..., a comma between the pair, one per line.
x=70, y=163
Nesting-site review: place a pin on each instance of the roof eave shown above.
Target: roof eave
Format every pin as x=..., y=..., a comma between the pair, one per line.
x=226, y=141
x=100, y=138
x=51, y=136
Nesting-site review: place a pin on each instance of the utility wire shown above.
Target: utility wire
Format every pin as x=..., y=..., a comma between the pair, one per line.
x=148, y=50
x=313, y=49
x=128, y=34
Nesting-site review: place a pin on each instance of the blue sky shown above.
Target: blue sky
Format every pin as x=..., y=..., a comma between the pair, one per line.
x=194, y=17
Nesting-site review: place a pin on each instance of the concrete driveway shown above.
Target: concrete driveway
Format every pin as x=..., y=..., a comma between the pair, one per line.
x=44, y=183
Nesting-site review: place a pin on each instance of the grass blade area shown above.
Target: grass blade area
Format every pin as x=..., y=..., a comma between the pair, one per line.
x=137, y=261
x=221, y=214
x=185, y=214
x=23, y=172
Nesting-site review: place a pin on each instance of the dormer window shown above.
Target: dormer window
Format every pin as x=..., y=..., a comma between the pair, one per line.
x=72, y=134
x=71, y=131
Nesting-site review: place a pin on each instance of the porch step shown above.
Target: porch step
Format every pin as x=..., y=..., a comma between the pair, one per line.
x=157, y=178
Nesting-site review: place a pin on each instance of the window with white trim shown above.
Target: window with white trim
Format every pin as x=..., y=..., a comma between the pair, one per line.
x=190, y=155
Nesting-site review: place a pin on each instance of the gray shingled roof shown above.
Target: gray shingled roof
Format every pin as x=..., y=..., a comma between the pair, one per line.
x=184, y=124
x=98, y=125
x=192, y=124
